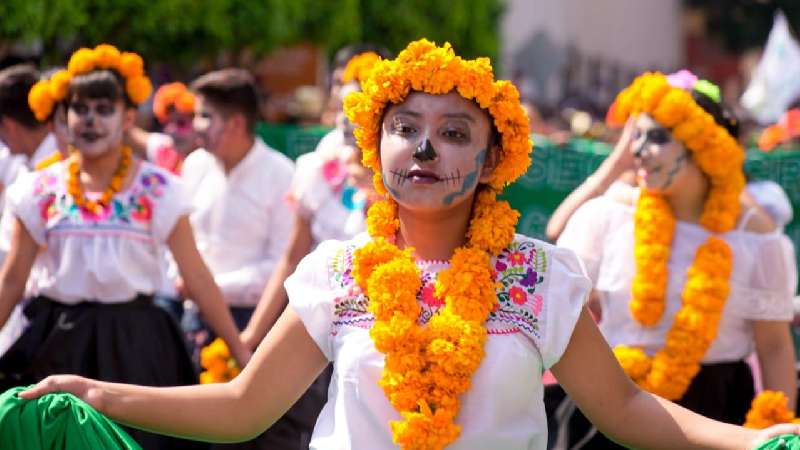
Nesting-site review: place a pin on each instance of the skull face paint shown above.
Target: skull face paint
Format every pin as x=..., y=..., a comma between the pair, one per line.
x=95, y=126
x=660, y=160
x=433, y=149
x=425, y=151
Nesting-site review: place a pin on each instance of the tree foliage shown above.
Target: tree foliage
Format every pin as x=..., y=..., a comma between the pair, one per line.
x=183, y=31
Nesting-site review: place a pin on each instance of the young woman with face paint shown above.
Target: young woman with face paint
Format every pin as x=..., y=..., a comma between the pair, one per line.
x=646, y=251
x=173, y=107
x=424, y=356
x=94, y=228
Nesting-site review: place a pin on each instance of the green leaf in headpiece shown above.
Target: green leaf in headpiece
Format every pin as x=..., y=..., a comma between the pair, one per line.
x=709, y=89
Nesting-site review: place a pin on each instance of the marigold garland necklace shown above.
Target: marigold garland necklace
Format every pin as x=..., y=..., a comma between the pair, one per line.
x=75, y=188
x=671, y=370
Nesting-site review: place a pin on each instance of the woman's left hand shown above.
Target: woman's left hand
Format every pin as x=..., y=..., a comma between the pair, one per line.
x=774, y=431
x=85, y=389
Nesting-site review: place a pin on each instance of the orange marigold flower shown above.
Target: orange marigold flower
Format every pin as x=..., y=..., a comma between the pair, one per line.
x=40, y=100
x=131, y=65
x=138, y=89
x=769, y=408
x=82, y=61
x=59, y=84
x=106, y=56
x=359, y=67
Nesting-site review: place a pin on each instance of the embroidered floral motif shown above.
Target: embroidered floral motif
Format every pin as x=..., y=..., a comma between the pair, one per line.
x=518, y=271
x=130, y=210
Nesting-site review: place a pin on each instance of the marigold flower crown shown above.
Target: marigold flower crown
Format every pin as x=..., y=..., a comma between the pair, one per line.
x=427, y=368
x=424, y=67
x=172, y=95
x=46, y=94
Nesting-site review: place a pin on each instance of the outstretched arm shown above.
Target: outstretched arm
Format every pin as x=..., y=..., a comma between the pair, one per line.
x=273, y=300
x=634, y=417
x=619, y=161
x=283, y=367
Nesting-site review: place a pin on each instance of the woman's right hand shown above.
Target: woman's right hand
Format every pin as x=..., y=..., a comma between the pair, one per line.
x=85, y=389
x=622, y=155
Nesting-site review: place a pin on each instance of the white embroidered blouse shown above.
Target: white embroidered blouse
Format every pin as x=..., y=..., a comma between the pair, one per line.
x=762, y=282
x=109, y=257
x=542, y=290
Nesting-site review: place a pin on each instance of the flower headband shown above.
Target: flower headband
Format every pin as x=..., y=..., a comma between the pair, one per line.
x=45, y=94
x=425, y=67
x=173, y=95
x=359, y=66
x=668, y=100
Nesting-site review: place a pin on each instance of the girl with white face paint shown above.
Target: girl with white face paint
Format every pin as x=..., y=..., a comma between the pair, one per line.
x=440, y=320
x=682, y=265
x=95, y=227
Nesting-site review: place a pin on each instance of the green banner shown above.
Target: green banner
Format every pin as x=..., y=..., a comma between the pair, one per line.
x=556, y=170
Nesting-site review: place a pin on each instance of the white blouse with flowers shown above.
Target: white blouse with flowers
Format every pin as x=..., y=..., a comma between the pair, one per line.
x=762, y=281
x=541, y=292
x=110, y=257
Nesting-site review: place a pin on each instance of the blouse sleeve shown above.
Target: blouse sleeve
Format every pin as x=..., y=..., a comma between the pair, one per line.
x=585, y=231
x=306, y=193
x=26, y=203
x=768, y=292
x=566, y=290
x=311, y=294
x=172, y=202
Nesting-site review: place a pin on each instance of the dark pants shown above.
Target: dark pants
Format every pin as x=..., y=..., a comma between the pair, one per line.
x=721, y=392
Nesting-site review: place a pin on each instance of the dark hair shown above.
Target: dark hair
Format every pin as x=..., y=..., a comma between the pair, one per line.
x=721, y=114
x=344, y=54
x=15, y=83
x=97, y=84
x=232, y=91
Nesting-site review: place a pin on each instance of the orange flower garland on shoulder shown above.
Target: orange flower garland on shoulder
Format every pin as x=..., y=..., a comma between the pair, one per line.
x=671, y=370
x=428, y=367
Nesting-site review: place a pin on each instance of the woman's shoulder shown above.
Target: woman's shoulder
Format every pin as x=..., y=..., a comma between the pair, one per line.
x=754, y=219
x=335, y=257
x=537, y=283
x=41, y=182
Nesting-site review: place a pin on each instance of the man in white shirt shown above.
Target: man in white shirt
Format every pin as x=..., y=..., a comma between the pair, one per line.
x=19, y=129
x=238, y=183
x=240, y=218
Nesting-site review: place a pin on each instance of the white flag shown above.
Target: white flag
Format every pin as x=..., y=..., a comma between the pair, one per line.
x=776, y=79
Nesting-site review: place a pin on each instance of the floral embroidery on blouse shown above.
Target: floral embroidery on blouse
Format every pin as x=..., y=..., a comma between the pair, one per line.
x=130, y=210
x=519, y=270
